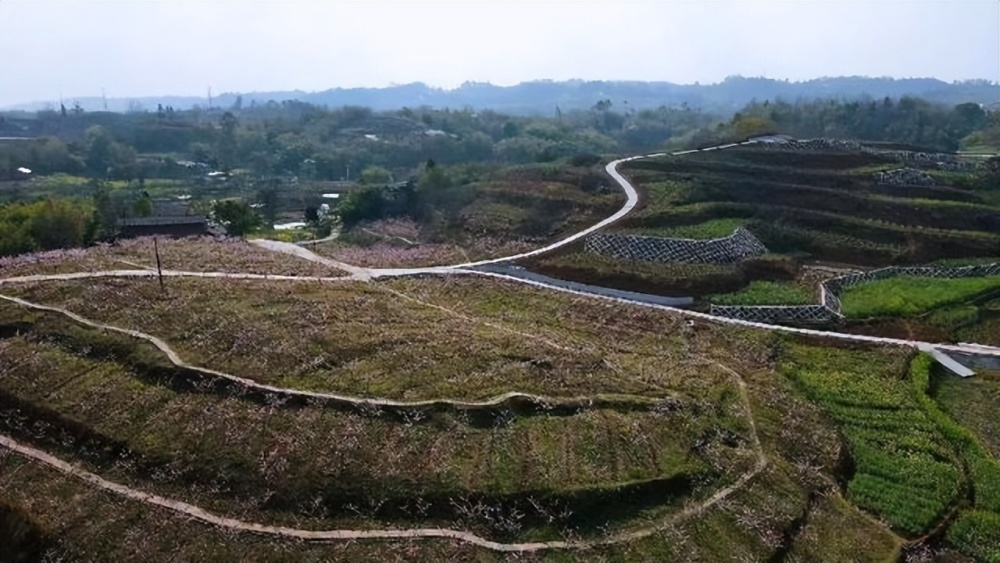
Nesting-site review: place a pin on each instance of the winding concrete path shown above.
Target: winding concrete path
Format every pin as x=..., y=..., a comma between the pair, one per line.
x=357, y=273
x=632, y=198
x=305, y=253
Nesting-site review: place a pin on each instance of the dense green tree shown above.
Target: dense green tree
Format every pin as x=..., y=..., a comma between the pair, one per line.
x=268, y=200
x=123, y=164
x=15, y=237
x=143, y=206
x=363, y=204
x=433, y=178
x=375, y=176
x=106, y=214
x=202, y=152
x=58, y=223
x=292, y=151
x=311, y=214
x=226, y=147
x=99, y=150
x=237, y=217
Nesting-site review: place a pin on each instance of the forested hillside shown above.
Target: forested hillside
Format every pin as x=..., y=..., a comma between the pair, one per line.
x=543, y=96
x=282, y=157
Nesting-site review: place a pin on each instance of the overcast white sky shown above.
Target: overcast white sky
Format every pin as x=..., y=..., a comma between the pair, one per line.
x=147, y=47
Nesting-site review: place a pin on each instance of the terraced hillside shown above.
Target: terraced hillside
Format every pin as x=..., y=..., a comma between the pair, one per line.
x=461, y=418
x=487, y=215
x=831, y=205
x=820, y=212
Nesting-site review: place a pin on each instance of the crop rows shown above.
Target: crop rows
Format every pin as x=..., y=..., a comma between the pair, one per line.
x=836, y=214
x=239, y=457
x=904, y=469
x=909, y=295
x=976, y=530
x=506, y=472
x=766, y=293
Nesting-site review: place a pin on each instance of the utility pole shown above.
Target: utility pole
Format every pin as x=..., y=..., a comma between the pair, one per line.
x=209, y=97
x=159, y=270
x=104, y=97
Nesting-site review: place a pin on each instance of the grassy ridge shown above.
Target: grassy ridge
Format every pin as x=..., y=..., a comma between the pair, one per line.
x=372, y=339
x=136, y=422
x=715, y=228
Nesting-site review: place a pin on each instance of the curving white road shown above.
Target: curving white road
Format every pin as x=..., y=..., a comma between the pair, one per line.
x=632, y=198
x=357, y=273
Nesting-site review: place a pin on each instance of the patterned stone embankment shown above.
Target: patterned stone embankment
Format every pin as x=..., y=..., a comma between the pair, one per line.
x=727, y=250
x=941, y=161
x=904, y=177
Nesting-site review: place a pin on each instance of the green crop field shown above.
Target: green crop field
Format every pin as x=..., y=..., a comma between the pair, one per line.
x=908, y=296
x=766, y=293
x=716, y=228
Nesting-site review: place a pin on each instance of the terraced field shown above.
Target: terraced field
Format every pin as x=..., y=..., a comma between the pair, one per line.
x=637, y=436
x=824, y=206
x=810, y=208
x=458, y=417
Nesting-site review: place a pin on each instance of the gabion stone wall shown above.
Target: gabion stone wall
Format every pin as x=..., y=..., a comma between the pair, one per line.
x=829, y=299
x=776, y=314
x=943, y=161
x=904, y=177
x=736, y=247
x=829, y=311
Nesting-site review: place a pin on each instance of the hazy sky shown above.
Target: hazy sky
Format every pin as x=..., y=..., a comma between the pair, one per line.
x=146, y=47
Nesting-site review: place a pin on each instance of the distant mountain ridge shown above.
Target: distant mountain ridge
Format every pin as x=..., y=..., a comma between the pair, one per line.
x=545, y=96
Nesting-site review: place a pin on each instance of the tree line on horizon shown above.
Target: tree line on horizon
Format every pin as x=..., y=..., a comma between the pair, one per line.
x=538, y=97
x=281, y=144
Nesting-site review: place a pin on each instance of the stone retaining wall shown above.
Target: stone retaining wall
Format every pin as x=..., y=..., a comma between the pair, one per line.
x=943, y=161
x=736, y=247
x=904, y=177
x=778, y=314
